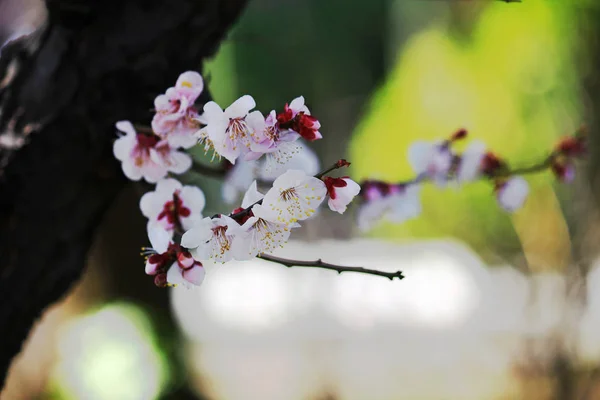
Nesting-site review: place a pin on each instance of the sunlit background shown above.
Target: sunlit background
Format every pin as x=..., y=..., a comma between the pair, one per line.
x=493, y=306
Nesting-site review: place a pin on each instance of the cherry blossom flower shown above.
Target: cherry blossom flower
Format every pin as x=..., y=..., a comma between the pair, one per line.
x=258, y=235
x=294, y=197
x=392, y=202
x=176, y=119
x=169, y=264
x=211, y=238
x=172, y=205
x=512, y=193
x=296, y=117
x=341, y=191
x=148, y=157
x=431, y=159
x=470, y=164
x=230, y=131
x=278, y=145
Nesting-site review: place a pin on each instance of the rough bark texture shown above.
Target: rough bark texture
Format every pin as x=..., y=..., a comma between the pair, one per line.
x=97, y=62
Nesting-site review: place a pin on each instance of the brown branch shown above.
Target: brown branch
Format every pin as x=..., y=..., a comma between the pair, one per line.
x=332, y=267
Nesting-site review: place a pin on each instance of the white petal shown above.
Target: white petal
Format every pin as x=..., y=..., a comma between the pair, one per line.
x=212, y=112
x=151, y=205
x=513, y=193
x=175, y=278
x=182, y=139
x=470, y=162
x=159, y=238
x=252, y=196
x=180, y=162
x=419, y=155
x=126, y=126
x=168, y=186
x=193, y=198
x=191, y=78
x=240, y=107
x=297, y=105
x=197, y=235
x=131, y=171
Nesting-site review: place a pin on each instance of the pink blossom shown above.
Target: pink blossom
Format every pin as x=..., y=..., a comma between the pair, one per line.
x=431, y=159
x=278, y=145
x=341, y=191
x=512, y=193
x=391, y=202
x=146, y=156
x=296, y=117
x=169, y=263
x=176, y=119
x=229, y=132
x=172, y=205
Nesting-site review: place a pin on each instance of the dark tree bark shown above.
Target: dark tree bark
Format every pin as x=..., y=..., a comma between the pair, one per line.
x=95, y=63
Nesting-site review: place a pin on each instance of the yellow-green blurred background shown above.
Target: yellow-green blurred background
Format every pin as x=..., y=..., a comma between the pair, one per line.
x=494, y=306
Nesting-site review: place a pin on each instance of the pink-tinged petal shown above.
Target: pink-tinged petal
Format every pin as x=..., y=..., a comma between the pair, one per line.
x=254, y=155
x=185, y=140
x=159, y=239
x=126, y=127
x=123, y=147
x=162, y=102
x=251, y=196
x=513, y=193
x=194, y=275
x=180, y=162
x=241, y=107
x=151, y=269
x=175, y=277
x=153, y=172
x=131, y=171
x=191, y=80
x=212, y=112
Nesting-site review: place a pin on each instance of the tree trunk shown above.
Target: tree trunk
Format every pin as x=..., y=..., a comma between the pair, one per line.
x=94, y=64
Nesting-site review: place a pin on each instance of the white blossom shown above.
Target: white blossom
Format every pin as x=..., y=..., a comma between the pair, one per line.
x=148, y=157
x=294, y=196
x=171, y=204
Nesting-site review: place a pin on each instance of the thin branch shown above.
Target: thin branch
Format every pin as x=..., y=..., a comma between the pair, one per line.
x=332, y=267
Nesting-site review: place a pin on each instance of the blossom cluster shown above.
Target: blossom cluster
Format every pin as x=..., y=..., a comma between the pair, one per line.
x=270, y=151
x=437, y=162
x=182, y=238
